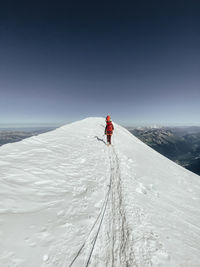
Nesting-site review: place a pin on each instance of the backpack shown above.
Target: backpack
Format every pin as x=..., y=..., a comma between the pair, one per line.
x=109, y=127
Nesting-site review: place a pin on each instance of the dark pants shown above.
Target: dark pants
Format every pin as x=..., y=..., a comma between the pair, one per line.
x=109, y=139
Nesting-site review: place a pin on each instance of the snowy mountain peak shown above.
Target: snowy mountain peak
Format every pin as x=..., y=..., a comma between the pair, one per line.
x=67, y=199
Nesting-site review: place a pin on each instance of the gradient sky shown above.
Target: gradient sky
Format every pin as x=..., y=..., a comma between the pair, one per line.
x=138, y=61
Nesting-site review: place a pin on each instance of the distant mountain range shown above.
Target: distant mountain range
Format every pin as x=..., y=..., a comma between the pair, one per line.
x=180, y=144
x=17, y=134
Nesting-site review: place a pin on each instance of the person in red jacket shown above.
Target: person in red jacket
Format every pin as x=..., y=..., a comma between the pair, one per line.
x=109, y=129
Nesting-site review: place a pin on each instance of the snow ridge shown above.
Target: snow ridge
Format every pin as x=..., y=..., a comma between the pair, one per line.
x=66, y=199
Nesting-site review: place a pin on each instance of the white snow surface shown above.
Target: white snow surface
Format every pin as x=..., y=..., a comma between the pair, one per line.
x=68, y=199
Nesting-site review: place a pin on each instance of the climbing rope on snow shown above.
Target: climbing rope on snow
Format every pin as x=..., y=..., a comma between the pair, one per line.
x=102, y=212
x=83, y=245
x=95, y=239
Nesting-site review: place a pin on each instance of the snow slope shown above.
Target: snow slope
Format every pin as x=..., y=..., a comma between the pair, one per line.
x=66, y=199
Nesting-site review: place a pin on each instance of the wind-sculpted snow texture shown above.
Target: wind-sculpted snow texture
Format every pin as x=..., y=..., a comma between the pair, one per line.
x=66, y=199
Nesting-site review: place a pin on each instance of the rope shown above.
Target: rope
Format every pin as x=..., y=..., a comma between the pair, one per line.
x=95, y=239
x=102, y=209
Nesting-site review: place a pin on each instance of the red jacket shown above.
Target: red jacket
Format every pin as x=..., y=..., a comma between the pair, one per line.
x=109, y=128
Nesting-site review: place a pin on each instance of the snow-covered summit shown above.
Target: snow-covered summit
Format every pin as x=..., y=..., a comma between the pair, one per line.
x=66, y=199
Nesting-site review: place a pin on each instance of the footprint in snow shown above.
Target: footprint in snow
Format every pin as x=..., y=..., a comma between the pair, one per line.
x=141, y=189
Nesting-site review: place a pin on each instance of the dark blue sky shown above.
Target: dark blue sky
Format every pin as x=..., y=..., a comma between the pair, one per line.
x=61, y=61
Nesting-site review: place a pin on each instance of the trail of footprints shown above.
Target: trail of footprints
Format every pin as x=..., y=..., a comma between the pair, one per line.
x=130, y=244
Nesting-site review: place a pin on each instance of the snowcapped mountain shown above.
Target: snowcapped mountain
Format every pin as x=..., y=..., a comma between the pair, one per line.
x=67, y=199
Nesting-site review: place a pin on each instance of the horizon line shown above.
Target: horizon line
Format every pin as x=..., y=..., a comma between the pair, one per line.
x=59, y=124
